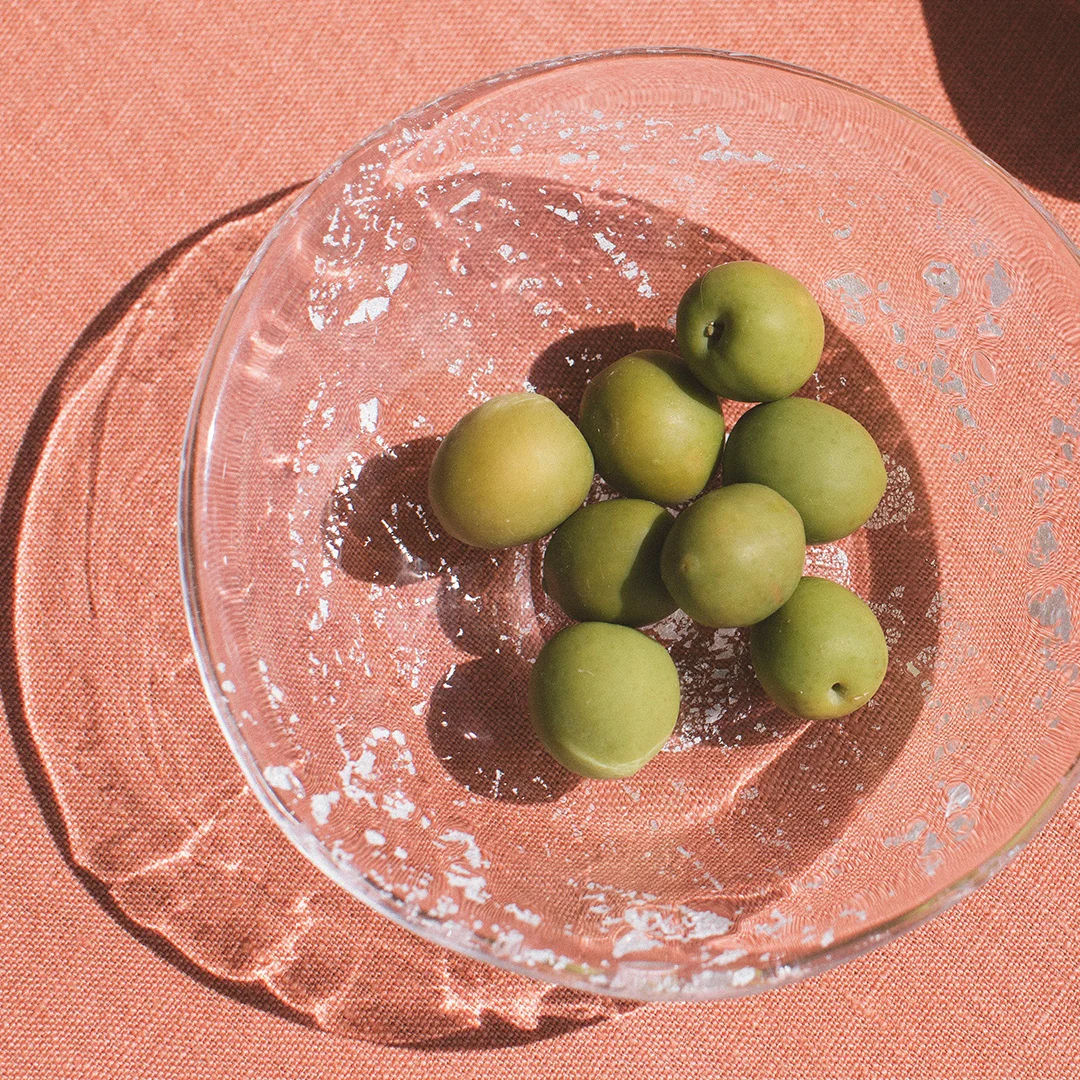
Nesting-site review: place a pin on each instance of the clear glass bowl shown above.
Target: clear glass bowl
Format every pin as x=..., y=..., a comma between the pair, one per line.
x=369, y=673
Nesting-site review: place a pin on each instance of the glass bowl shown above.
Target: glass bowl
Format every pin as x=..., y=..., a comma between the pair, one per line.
x=369, y=672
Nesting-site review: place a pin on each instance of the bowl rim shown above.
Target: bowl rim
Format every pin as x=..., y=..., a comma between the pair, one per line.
x=657, y=986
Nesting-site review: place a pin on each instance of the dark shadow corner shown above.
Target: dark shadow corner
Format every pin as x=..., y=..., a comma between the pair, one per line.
x=1010, y=71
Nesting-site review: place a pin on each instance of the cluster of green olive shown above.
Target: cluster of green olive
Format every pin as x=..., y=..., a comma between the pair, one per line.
x=604, y=697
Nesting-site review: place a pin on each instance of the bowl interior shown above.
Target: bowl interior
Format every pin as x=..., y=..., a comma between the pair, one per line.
x=370, y=671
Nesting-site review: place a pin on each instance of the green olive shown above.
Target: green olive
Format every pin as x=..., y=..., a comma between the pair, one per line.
x=603, y=563
x=823, y=654
x=824, y=462
x=749, y=331
x=655, y=431
x=509, y=471
x=603, y=698
x=734, y=556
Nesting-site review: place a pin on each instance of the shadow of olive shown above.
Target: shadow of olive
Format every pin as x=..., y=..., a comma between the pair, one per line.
x=478, y=725
x=378, y=528
x=376, y=525
x=563, y=369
